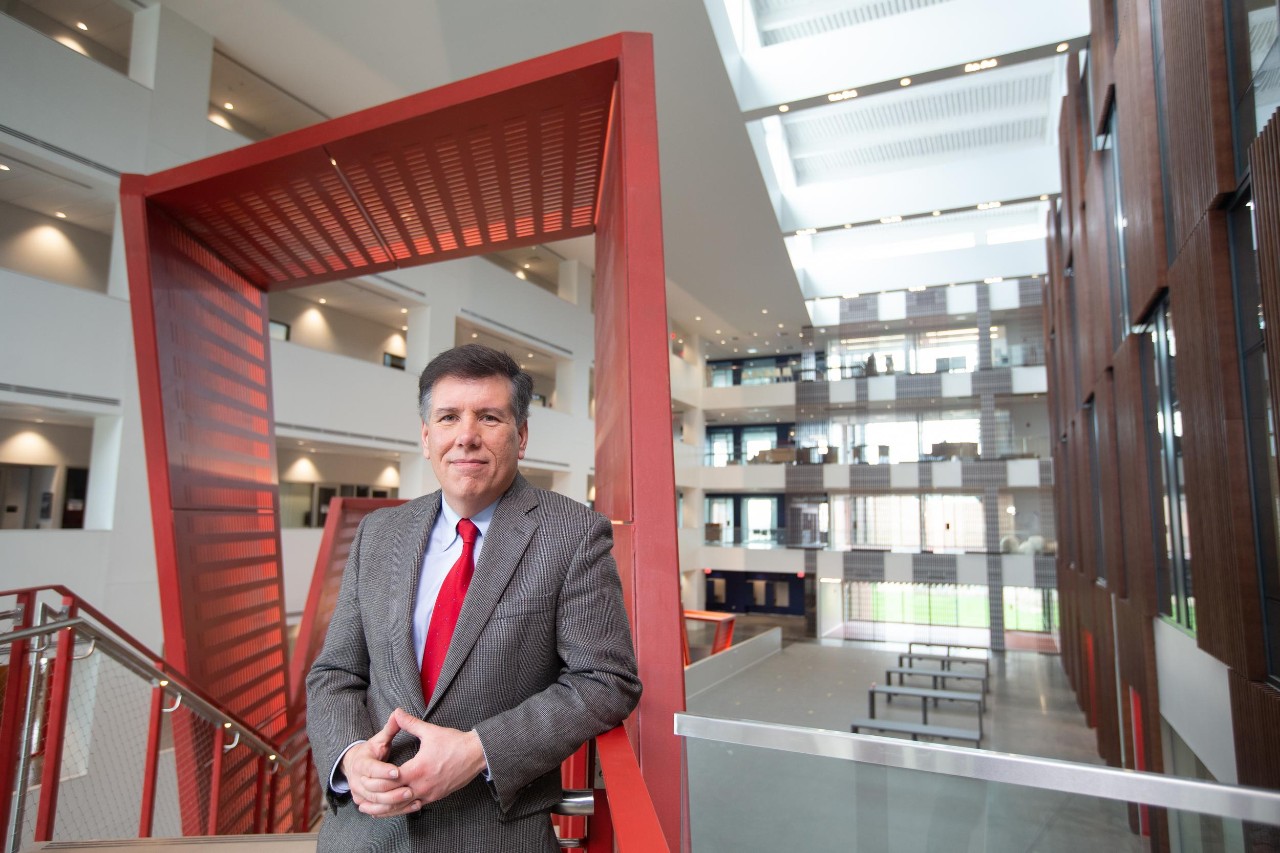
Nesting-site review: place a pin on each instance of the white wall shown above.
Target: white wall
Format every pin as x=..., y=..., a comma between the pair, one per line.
x=1195, y=699
x=63, y=339
x=323, y=327
x=53, y=249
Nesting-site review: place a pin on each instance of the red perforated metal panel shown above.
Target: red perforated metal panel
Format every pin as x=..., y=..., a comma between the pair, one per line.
x=556, y=147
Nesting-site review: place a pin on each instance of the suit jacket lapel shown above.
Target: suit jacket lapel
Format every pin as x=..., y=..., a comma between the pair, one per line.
x=406, y=673
x=508, y=537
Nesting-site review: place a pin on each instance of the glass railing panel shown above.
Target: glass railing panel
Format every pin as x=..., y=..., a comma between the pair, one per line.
x=863, y=793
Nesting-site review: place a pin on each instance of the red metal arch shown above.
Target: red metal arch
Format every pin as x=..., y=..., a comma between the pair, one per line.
x=559, y=146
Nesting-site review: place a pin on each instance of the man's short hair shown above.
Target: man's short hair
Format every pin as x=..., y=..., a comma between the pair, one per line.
x=476, y=361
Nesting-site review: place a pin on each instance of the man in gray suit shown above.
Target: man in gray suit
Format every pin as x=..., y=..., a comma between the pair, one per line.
x=479, y=638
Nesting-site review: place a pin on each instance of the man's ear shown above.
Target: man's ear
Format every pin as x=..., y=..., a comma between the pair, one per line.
x=523, y=432
x=426, y=446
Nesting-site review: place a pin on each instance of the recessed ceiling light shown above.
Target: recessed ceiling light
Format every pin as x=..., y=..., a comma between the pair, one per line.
x=848, y=225
x=698, y=318
x=889, y=220
x=1044, y=197
x=60, y=214
x=717, y=331
x=755, y=334
x=527, y=266
x=1062, y=48
x=905, y=81
x=764, y=310
x=783, y=108
x=937, y=213
x=39, y=420
x=520, y=275
x=779, y=325
x=82, y=26
x=3, y=167
x=530, y=355
x=313, y=450
x=722, y=342
x=735, y=349
x=404, y=310
x=404, y=328
x=227, y=105
x=474, y=335
x=324, y=301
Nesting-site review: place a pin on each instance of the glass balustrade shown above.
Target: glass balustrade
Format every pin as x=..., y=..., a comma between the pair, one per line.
x=755, y=786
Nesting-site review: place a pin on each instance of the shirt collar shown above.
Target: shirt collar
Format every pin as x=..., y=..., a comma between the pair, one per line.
x=481, y=519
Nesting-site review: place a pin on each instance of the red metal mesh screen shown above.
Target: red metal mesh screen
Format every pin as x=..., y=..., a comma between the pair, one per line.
x=511, y=158
x=520, y=167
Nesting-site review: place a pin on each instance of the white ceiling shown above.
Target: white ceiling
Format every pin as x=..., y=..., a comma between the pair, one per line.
x=739, y=177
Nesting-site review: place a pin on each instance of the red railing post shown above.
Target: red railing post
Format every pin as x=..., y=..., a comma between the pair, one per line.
x=56, y=728
x=151, y=762
x=260, y=781
x=15, y=706
x=215, y=780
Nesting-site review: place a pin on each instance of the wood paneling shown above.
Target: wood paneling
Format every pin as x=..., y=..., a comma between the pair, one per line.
x=1201, y=167
x=1138, y=147
x=1264, y=156
x=1256, y=710
x=1223, y=568
x=1102, y=51
x=1136, y=500
x=1108, y=496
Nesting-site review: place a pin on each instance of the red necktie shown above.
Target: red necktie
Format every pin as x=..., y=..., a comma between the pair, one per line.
x=448, y=605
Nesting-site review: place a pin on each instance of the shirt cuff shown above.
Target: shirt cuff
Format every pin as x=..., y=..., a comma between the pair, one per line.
x=337, y=781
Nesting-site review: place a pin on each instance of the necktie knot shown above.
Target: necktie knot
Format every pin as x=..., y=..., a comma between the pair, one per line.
x=468, y=531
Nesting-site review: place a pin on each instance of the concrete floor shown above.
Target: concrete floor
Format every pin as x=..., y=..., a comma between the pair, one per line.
x=1031, y=711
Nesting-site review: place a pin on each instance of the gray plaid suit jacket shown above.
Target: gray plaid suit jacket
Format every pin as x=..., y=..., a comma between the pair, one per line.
x=540, y=662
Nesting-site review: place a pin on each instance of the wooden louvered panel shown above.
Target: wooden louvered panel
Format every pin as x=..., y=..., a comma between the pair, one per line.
x=1255, y=711
x=1223, y=568
x=1135, y=478
x=1108, y=494
x=1201, y=165
x=1138, y=147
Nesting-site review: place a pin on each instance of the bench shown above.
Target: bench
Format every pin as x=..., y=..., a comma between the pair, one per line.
x=939, y=676
x=911, y=647
x=916, y=730
x=924, y=694
x=945, y=660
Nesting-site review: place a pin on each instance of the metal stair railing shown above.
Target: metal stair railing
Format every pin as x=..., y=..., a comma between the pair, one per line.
x=89, y=711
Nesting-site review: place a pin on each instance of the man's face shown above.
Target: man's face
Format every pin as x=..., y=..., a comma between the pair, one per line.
x=472, y=440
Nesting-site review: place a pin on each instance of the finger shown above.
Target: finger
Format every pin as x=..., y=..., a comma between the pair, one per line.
x=411, y=724
x=372, y=791
x=378, y=810
x=386, y=733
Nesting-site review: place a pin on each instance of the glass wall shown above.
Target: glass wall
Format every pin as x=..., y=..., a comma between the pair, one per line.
x=1254, y=69
x=940, y=523
x=1164, y=438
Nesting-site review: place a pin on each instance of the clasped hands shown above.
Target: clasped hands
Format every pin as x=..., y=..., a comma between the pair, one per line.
x=447, y=759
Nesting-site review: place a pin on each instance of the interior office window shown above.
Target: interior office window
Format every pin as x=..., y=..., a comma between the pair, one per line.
x=1254, y=60
x=720, y=448
x=393, y=361
x=1116, y=247
x=954, y=523
x=278, y=331
x=1163, y=418
x=1260, y=428
x=1095, y=494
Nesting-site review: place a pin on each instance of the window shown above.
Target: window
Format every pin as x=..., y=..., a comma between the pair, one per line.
x=1165, y=469
x=1254, y=59
x=1260, y=432
x=277, y=330
x=393, y=361
x=1116, y=247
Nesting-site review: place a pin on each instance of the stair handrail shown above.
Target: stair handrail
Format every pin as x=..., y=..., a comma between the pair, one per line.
x=123, y=639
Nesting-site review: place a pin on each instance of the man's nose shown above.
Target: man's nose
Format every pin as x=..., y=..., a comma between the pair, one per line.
x=469, y=435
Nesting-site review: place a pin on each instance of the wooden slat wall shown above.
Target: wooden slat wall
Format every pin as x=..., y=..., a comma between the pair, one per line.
x=1224, y=569
x=1136, y=502
x=1202, y=174
x=1139, y=149
x=1201, y=164
x=1109, y=486
x=1256, y=710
